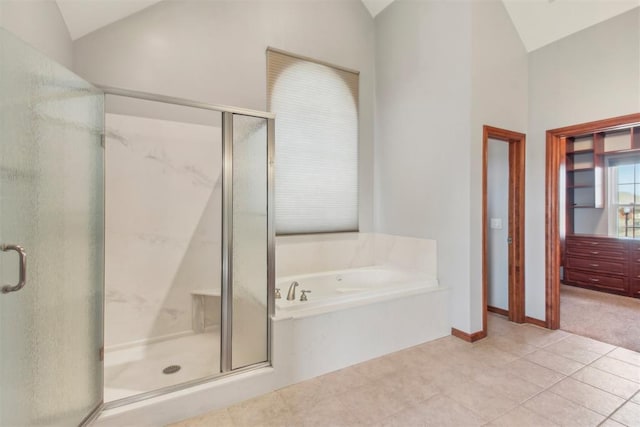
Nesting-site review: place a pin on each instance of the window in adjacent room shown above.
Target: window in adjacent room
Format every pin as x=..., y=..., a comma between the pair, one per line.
x=624, y=199
x=316, y=173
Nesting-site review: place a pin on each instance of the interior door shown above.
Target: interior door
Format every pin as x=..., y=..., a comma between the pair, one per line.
x=51, y=241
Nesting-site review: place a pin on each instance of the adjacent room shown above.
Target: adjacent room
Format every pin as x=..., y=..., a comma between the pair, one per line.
x=319, y=212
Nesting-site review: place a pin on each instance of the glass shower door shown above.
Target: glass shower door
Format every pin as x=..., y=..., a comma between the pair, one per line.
x=51, y=209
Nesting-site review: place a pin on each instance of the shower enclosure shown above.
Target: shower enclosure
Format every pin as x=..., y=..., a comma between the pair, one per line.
x=136, y=242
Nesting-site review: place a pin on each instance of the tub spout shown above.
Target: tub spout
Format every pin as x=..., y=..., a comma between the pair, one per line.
x=291, y=295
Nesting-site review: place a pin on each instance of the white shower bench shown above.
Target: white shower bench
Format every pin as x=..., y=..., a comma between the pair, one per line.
x=197, y=307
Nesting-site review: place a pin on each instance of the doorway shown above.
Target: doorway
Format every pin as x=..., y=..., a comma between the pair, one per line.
x=557, y=201
x=503, y=168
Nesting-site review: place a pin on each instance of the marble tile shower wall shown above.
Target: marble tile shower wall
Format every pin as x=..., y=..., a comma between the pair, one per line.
x=163, y=215
x=326, y=252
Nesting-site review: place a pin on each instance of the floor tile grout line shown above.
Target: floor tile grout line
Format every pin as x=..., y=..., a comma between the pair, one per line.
x=581, y=405
x=521, y=404
x=605, y=372
x=611, y=373
x=551, y=369
x=618, y=408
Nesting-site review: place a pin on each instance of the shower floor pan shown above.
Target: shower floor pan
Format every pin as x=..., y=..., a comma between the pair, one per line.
x=139, y=368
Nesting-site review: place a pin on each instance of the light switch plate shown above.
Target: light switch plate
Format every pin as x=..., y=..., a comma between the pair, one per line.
x=496, y=223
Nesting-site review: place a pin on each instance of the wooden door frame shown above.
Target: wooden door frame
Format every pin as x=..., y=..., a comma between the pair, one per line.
x=555, y=203
x=517, y=151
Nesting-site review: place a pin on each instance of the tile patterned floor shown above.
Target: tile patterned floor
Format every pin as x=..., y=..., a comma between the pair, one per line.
x=521, y=375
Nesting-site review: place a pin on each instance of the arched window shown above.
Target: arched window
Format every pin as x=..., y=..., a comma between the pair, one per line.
x=316, y=151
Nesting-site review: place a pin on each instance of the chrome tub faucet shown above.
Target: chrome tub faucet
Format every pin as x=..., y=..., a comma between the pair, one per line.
x=291, y=295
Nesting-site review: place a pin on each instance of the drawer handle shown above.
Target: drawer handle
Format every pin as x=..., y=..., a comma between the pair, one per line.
x=594, y=243
x=594, y=265
x=595, y=280
x=595, y=252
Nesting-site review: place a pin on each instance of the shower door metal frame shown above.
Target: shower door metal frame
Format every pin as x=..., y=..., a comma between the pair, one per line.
x=226, y=330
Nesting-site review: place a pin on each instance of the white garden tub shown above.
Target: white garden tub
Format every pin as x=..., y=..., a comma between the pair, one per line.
x=342, y=289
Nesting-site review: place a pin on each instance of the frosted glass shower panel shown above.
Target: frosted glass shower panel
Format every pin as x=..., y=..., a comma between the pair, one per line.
x=250, y=232
x=163, y=175
x=51, y=204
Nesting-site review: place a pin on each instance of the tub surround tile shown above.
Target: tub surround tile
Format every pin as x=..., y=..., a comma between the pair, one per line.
x=406, y=253
x=298, y=255
x=305, y=254
x=636, y=398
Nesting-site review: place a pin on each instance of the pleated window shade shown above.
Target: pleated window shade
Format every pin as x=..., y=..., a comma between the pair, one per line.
x=316, y=148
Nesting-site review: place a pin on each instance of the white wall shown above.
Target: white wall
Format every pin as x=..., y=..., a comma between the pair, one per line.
x=214, y=51
x=40, y=24
x=497, y=235
x=590, y=75
x=423, y=107
x=499, y=98
x=443, y=70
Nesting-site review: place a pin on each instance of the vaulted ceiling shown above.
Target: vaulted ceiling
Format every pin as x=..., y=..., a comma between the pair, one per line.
x=539, y=22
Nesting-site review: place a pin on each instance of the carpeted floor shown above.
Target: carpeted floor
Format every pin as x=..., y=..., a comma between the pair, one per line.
x=609, y=318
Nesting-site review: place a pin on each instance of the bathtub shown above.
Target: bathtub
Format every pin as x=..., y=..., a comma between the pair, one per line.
x=341, y=289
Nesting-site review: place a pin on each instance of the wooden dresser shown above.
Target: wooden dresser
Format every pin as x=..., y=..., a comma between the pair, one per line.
x=603, y=263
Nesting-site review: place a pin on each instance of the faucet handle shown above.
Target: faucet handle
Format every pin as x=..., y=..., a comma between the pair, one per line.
x=303, y=297
x=278, y=295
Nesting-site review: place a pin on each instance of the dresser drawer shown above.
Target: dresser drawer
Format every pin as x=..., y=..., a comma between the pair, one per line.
x=599, y=266
x=597, y=252
x=612, y=283
x=634, y=271
x=634, y=251
x=602, y=243
x=634, y=287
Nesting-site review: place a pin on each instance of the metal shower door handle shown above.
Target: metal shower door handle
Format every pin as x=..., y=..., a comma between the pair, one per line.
x=22, y=278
